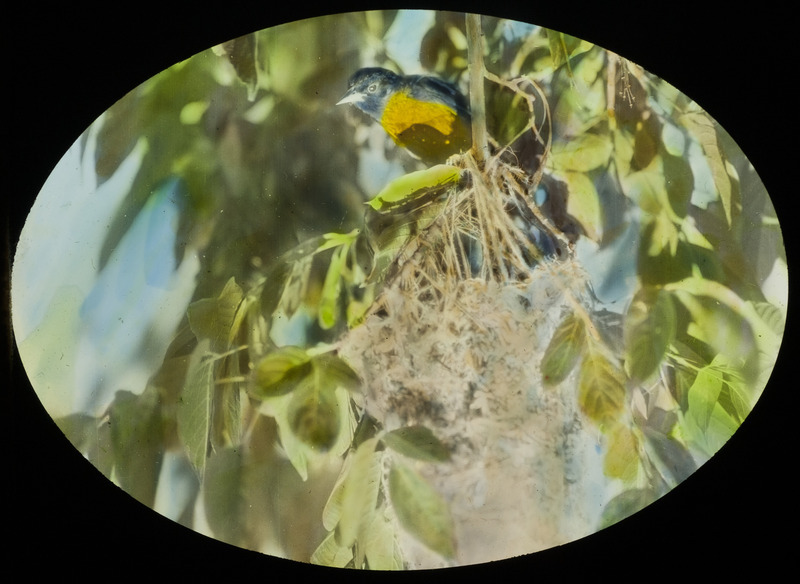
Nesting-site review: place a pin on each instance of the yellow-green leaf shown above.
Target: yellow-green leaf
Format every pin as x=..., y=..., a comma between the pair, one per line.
x=581, y=153
x=563, y=47
x=380, y=545
x=716, y=406
x=329, y=553
x=415, y=184
x=704, y=395
x=421, y=510
x=771, y=315
x=647, y=187
x=359, y=493
x=719, y=326
x=583, y=203
x=622, y=455
x=623, y=152
x=333, y=239
x=332, y=511
x=564, y=350
x=331, y=289
x=601, y=389
x=280, y=371
x=749, y=326
x=693, y=235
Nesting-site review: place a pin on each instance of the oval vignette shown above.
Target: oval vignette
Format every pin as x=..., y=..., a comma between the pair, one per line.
x=334, y=113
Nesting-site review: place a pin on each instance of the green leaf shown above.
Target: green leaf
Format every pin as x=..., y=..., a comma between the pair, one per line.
x=646, y=141
x=718, y=326
x=333, y=240
x=414, y=185
x=332, y=511
x=663, y=267
x=772, y=316
x=337, y=372
x=136, y=437
x=421, y=510
x=650, y=328
x=623, y=152
x=590, y=77
x=559, y=51
x=583, y=203
x=564, y=350
x=626, y=504
x=647, y=187
x=563, y=47
x=313, y=413
x=704, y=395
x=746, y=328
x=213, y=318
x=735, y=399
x=417, y=442
x=331, y=289
x=227, y=405
x=717, y=403
x=601, y=389
x=391, y=235
x=316, y=411
x=622, y=456
x=224, y=499
x=669, y=454
x=330, y=553
x=703, y=128
x=380, y=544
x=581, y=153
x=695, y=237
x=721, y=427
x=663, y=236
x=193, y=112
x=194, y=406
x=679, y=182
x=359, y=493
x=280, y=371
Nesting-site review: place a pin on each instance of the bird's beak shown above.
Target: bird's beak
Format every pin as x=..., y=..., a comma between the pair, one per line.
x=351, y=97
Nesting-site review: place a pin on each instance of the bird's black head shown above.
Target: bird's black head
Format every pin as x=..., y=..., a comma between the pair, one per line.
x=370, y=88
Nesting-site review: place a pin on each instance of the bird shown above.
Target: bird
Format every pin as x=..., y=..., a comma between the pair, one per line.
x=426, y=115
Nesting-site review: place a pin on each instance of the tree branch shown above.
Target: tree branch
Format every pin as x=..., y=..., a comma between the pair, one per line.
x=477, y=104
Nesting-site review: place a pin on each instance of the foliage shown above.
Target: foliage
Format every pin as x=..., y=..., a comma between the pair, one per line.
x=253, y=391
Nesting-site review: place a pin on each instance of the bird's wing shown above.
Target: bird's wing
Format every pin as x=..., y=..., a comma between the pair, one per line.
x=440, y=91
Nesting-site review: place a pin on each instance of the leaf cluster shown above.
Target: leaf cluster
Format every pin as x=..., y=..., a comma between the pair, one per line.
x=253, y=396
x=673, y=383
x=369, y=501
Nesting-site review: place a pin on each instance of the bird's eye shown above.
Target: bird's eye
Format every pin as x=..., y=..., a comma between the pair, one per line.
x=372, y=88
